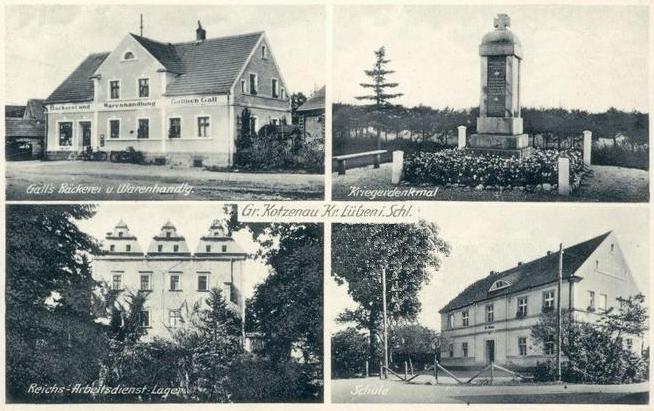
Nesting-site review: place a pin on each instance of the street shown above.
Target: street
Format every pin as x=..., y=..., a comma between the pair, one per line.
x=84, y=180
x=374, y=390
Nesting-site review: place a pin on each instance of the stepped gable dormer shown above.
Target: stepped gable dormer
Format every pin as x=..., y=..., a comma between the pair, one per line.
x=120, y=241
x=218, y=241
x=168, y=243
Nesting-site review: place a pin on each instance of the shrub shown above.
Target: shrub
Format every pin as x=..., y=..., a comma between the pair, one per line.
x=282, y=147
x=461, y=167
x=349, y=353
x=258, y=379
x=622, y=155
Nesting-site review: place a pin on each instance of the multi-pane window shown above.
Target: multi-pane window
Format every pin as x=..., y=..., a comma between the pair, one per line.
x=522, y=345
x=630, y=343
x=145, y=318
x=175, y=248
x=174, y=127
x=112, y=247
x=143, y=128
x=464, y=348
x=203, y=282
x=465, y=318
x=450, y=321
x=114, y=128
x=159, y=248
x=450, y=350
x=144, y=87
x=145, y=282
x=114, y=89
x=117, y=282
x=275, y=88
x=174, y=282
x=253, y=84
x=522, y=307
x=603, y=302
x=66, y=133
x=549, y=346
x=174, y=318
x=548, y=300
x=224, y=248
x=490, y=315
x=128, y=248
x=591, y=300
x=208, y=248
x=204, y=126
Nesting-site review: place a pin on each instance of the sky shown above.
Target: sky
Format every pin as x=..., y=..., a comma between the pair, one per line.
x=191, y=219
x=44, y=44
x=497, y=236
x=587, y=57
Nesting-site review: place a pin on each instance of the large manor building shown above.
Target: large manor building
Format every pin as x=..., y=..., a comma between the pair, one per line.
x=172, y=278
x=491, y=320
x=177, y=103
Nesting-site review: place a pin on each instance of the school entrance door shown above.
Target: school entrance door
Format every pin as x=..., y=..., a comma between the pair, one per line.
x=490, y=351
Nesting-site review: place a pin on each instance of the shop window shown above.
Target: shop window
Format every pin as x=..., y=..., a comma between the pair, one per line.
x=143, y=130
x=114, y=128
x=66, y=134
x=174, y=127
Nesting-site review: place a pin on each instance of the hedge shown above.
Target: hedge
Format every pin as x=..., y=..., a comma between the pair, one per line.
x=461, y=167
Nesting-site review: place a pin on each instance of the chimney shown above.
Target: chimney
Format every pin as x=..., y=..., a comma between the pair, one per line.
x=549, y=252
x=200, y=33
x=519, y=263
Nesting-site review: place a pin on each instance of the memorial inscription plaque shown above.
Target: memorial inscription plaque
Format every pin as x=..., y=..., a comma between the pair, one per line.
x=496, y=86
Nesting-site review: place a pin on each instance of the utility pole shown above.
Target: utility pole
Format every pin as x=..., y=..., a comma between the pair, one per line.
x=558, y=314
x=385, y=320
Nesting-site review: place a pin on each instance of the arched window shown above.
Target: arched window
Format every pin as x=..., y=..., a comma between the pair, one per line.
x=128, y=56
x=499, y=284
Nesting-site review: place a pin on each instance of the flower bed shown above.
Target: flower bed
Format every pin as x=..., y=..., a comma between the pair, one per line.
x=460, y=167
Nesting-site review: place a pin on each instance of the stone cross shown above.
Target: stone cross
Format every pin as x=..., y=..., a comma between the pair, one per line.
x=502, y=21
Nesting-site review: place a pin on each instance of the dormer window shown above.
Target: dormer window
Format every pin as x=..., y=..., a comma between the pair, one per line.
x=129, y=56
x=499, y=284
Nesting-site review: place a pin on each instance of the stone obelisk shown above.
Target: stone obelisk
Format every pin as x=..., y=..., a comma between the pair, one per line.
x=499, y=126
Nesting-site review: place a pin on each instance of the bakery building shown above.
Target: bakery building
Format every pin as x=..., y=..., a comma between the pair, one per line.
x=491, y=320
x=173, y=279
x=177, y=103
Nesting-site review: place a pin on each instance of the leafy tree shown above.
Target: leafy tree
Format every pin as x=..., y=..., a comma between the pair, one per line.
x=361, y=251
x=596, y=352
x=349, y=353
x=51, y=335
x=297, y=99
x=415, y=344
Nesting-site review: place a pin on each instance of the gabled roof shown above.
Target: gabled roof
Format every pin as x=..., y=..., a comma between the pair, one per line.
x=17, y=127
x=165, y=53
x=315, y=102
x=35, y=109
x=14, y=111
x=534, y=273
x=211, y=66
x=78, y=87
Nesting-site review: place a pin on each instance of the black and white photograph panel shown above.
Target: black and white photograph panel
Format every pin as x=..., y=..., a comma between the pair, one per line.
x=525, y=306
x=126, y=304
x=116, y=102
x=491, y=103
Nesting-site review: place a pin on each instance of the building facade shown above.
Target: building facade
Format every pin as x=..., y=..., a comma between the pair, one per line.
x=491, y=320
x=173, y=279
x=311, y=115
x=177, y=103
x=24, y=131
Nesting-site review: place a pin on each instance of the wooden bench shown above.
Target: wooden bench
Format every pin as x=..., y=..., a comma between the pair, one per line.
x=341, y=159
